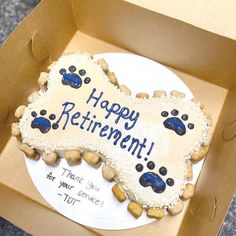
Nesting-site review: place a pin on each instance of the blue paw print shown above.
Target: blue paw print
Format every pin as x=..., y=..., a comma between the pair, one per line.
x=176, y=124
x=152, y=179
x=42, y=123
x=73, y=79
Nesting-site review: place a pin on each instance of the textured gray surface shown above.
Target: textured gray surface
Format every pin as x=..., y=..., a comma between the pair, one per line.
x=8, y=229
x=229, y=225
x=11, y=13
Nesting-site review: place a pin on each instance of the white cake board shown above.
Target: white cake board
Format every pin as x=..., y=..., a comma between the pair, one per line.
x=97, y=207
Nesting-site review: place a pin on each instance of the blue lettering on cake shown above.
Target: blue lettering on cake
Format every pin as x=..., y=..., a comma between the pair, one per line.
x=87, y=122
x=68, y=107
x=116, y=109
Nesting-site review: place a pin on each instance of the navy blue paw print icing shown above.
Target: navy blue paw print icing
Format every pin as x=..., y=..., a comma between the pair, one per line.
x=42, y=123
x=73, y=79
x=176, y=124
x=155, y=181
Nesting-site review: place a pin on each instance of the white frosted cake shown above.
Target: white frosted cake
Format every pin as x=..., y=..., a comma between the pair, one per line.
x=146, y=145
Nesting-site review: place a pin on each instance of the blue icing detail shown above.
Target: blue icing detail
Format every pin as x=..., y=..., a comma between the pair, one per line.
x=72, y=80
x=41, y=123
x=175, y=124
x=154, y=181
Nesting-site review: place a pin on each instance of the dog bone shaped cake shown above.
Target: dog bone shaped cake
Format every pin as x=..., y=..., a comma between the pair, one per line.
x=146, y=145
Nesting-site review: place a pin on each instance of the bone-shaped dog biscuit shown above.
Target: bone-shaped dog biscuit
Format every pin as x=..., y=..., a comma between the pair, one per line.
x=145, y=141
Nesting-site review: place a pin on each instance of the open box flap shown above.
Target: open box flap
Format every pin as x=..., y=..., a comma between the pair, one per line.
x=217, y=182
x=172, y=42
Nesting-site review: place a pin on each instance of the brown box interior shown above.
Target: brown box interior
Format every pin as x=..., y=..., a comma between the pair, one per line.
x=205, y=61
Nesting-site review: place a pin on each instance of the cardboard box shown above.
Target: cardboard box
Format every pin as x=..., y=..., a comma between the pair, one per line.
x=195, y=46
